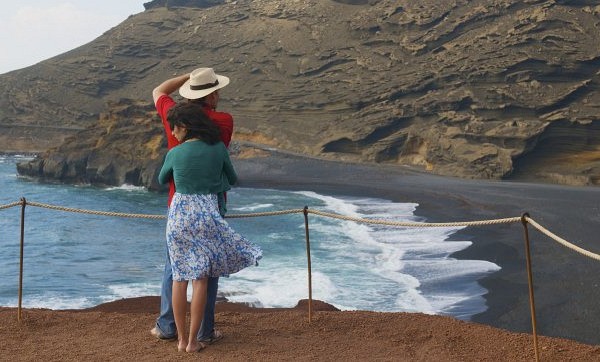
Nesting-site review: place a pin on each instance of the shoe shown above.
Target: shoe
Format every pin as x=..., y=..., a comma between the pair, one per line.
x=156, y=333
x=216, y=336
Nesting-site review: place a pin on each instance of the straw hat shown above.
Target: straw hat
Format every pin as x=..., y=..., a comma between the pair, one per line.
x=202, y=82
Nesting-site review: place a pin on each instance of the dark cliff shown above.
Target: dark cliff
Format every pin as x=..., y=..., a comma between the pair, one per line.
x=125, y=146
x=477, y=89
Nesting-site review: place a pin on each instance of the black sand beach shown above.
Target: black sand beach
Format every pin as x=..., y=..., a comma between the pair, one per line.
x=566, y=282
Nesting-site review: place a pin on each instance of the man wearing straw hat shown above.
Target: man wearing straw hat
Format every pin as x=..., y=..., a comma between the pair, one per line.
x=202, y=86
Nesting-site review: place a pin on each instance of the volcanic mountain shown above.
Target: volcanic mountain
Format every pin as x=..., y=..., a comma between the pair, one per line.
x=490, y=89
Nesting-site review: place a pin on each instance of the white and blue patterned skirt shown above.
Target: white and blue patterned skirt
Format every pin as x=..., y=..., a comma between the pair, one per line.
x=201, y=243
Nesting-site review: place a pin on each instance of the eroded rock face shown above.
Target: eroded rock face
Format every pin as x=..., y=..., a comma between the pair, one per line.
x=125, y=146
x=487, y=89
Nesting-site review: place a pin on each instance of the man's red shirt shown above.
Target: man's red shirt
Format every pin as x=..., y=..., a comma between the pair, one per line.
x=221, y=119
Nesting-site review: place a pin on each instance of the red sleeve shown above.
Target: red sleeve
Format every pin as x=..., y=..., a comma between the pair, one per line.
x=163, y=104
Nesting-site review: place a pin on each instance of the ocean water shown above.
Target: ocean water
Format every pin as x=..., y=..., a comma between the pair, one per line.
x=75, y=260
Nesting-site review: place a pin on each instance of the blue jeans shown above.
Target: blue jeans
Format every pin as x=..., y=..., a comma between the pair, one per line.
x=166, y=321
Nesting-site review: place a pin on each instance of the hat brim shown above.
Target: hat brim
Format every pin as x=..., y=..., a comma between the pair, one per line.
x=188, y=93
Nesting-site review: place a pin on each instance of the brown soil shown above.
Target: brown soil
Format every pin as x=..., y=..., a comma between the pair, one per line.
x=120, y=331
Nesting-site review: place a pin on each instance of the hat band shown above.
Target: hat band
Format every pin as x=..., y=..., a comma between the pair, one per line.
x=204, y=86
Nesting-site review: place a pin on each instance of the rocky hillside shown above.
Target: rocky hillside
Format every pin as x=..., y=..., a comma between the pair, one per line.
x=493, y=89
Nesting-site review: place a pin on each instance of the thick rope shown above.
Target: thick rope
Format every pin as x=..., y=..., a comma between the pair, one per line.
x=147, y=216
x=94, y=212
x=560, y=240
x=335, y=216
x=417, y=224
x=267, y=213
x=10, y=205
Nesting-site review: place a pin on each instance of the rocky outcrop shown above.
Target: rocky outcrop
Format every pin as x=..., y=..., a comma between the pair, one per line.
x=487, y=89
x=125, y=146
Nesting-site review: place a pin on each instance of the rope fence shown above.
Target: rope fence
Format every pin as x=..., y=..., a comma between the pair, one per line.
x=8, y=206
x=560, y=240
x=525, y=219
x=509, y=220
x=417, y=224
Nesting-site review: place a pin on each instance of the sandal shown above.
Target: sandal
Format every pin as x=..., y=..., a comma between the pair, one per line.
x=216, y=336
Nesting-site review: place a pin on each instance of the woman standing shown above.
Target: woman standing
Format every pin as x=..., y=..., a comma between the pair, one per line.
x=201, y=243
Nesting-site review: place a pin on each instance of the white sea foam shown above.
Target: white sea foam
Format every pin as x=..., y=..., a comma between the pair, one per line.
x=126, y=187
x=276, y=287
x=56, y=301
x=12, y=158
x=133, y=290
x=253, y=207
x=415, y=260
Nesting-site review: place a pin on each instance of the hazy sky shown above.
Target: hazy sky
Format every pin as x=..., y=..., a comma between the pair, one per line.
x=34, y=30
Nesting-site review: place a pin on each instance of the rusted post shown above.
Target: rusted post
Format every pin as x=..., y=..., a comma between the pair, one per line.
x=530, y=282
x=309, y=264
x=19, y=309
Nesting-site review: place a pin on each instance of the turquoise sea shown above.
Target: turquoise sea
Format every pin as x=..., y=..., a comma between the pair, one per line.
x=74, y=260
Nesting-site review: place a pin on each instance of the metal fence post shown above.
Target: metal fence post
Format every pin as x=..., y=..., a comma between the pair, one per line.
x=530, y=283
x=309, y=264
x=19, y=309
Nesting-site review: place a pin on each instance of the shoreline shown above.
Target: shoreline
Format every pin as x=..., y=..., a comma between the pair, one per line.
x=564, y=281
x=565, y=284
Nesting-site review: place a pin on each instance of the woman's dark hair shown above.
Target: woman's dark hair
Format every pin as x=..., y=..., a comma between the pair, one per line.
x=191, y=116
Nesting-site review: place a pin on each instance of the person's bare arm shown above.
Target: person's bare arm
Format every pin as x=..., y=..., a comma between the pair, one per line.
x=169, y=86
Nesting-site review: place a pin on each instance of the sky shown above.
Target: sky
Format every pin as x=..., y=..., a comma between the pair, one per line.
x=35, y=30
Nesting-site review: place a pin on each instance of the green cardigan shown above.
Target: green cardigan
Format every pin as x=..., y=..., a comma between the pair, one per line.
x=198, y=168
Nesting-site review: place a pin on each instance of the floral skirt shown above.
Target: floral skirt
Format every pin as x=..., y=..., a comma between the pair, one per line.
x=201, y=243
